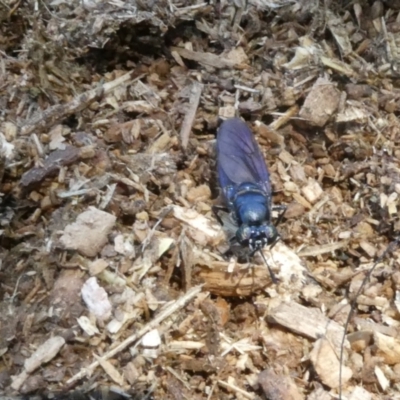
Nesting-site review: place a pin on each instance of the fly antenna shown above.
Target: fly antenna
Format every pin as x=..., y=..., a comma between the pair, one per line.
x=273, y=277
x=353, y=305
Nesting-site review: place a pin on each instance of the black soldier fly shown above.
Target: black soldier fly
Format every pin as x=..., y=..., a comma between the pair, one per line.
x=244, y=179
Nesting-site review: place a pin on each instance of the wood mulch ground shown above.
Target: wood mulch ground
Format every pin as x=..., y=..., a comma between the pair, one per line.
x=113, y=283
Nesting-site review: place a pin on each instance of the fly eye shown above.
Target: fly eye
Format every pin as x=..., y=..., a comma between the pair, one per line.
x=268, y=231
x=244, y=233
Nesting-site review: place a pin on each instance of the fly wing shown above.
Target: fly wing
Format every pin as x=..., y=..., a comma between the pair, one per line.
x=239, y=157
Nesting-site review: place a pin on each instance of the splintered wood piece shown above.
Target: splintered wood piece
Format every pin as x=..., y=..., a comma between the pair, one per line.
x=270, y=133
x=352, y=114
x=244, y=280
x=58, y=112
x=326, y=364
x=285, y=118
x=210, y=59
x=339, y=32
x=51, y=165
x=234, y=388
x=43, y=354
x=322, y=249
x=338, y=66
x=308, y=322
x=312, y=191
x=187, y=123
x=383, y=381
x=110, y=370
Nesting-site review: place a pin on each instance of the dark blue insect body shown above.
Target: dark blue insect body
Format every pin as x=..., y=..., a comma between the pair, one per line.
x=244, y=179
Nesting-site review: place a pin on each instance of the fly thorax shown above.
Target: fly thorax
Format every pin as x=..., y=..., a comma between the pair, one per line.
x=251, y=208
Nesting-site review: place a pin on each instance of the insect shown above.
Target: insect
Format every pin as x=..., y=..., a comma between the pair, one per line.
x=244, y=179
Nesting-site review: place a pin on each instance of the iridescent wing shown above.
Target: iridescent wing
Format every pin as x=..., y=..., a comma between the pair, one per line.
x=239, y=158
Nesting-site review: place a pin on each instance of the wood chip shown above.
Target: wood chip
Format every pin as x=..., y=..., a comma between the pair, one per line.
x=96, y=299
x=322, y=249
x=209, y=59
x=388, y=348
x=203, y=230
x=359, y=393
x=111, y=371
x=326, y=363
x=308, y=322
x=312, y=191
x=51, y=165
x=269, y=133
x=43, y=354
x=277, y=387
x=320, y=103
x=384, y=383
x=89, y=233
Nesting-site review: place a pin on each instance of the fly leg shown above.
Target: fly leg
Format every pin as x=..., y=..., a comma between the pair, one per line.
x=274, y=241
x=282, y=209
x=216, y=210
x=229, y=253
x=271, y=273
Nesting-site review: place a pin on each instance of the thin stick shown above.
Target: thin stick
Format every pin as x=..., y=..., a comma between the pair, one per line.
x=177, y=305
x=56, y=113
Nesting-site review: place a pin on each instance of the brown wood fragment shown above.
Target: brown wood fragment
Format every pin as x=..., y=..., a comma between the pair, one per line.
x=186, y=252
x=198, y=365
x=321, y=103
x=270, y=134
x=242, y=282
x=279, y=387
x=51, y=165
x=214, y=326
x=306, y=321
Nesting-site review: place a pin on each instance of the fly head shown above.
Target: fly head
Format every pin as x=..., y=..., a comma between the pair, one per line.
x=256, y=237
